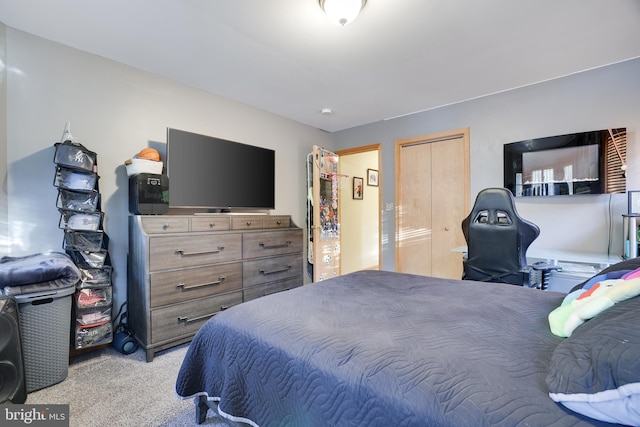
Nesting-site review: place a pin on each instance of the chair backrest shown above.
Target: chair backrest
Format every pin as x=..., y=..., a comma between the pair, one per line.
x=497, y=239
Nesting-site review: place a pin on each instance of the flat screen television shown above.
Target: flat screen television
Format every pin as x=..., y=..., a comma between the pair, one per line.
x=218, y=174
x=572, y=164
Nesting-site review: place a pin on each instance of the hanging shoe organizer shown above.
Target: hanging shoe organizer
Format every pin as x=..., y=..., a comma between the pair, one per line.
x=84, y=241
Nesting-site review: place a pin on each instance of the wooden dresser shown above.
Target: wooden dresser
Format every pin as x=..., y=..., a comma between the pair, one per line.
x=184, y=269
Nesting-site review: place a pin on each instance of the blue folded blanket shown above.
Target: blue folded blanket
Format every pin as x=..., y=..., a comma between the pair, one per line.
x=37, y=273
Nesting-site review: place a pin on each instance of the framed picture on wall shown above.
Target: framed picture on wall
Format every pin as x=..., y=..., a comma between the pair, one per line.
x=372, y=177
x=634, y=202
x=358, y=186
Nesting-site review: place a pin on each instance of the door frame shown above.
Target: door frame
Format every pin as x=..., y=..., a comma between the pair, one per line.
x=364, y=149
x=427, y=139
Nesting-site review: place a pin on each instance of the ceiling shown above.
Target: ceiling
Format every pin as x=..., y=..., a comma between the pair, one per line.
x=399, y=57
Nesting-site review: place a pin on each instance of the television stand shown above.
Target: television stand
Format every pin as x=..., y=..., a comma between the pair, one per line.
x=184, y=269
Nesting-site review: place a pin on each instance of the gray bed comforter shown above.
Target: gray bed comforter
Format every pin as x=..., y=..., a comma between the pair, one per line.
x=377, y=348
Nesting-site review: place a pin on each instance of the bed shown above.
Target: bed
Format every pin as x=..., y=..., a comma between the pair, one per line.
x=376, y=348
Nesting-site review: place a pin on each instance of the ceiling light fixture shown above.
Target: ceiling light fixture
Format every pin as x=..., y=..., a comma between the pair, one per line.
x=342, y=12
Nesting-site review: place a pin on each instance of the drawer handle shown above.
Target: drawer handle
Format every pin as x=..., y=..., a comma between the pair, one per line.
x=275, y=245
x=279, y=270
x=183, y=253
x=184, y=287
x=165, y=226
x=184, y=319
x=248, y=223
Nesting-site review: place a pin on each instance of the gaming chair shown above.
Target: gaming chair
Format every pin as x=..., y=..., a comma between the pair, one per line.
x=497, y=240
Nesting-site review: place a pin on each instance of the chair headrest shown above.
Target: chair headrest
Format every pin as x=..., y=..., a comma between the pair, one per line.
x=497, y=206
x=495, y=198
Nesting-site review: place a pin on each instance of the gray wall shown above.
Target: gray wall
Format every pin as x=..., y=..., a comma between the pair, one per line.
x=598, y=99
x=115, y=110
x=4, y=229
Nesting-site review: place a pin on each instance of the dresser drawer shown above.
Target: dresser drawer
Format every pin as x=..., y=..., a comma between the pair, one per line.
x=206, y=223
x=169, y=287
x=271, y=288
x=247, y=222
x=277, y=221
x=164, y=224
x=186, y=318
x=266, y=270
x=271, y=243
x=193, y=250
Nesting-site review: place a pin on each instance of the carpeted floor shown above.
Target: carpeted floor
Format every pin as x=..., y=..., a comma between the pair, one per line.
x=107, y=388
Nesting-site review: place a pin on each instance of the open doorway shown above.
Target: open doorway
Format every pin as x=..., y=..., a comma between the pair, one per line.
x=360, y=208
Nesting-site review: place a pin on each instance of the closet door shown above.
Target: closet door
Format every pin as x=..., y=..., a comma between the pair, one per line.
x=449, y=205
x=432, y=198
x=414, y=221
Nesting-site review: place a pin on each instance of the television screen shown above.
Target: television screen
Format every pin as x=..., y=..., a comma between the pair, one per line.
x=214, y=173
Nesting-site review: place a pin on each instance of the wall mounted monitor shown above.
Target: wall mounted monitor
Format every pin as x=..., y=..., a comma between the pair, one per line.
x=579, y=163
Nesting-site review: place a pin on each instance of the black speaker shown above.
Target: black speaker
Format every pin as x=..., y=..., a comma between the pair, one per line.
x=148, y=194
x=13, y=386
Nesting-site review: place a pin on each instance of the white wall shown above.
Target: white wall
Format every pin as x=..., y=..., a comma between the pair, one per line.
x=597, y=99
x=116, y=110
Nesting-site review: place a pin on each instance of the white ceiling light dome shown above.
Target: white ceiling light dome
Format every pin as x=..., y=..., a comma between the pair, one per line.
x=342, y=12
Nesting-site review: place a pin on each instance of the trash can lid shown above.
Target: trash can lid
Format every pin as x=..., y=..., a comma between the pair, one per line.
x=42, y=295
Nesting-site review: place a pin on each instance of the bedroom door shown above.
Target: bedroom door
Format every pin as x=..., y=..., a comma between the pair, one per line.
x=432, y=198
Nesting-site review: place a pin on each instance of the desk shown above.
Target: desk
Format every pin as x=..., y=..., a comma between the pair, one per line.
x=576, y=266
x=557, y=257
